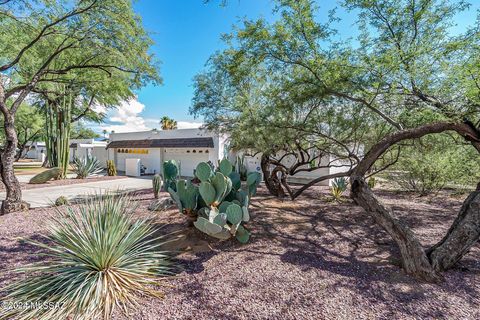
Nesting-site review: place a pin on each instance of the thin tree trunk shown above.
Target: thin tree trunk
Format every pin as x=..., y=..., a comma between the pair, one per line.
x=462, y=235
x=13, y=201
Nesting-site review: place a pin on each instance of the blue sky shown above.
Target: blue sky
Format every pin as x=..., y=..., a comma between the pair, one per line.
x=186, y=33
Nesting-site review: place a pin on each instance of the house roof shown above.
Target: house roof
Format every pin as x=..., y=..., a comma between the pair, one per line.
x=201, y=142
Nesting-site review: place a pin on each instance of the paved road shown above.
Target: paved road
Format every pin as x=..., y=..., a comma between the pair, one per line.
x=44, y=197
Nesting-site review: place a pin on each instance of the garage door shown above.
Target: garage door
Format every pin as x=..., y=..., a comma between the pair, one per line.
x=188, y=159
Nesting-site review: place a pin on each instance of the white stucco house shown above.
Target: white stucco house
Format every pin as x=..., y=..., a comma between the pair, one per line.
x=89, y=147
x=188, y=147
x=36, y=150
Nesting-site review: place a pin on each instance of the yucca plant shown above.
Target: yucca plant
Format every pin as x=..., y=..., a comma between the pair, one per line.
x=86, y=166
x=100, y=258
x=339, y=186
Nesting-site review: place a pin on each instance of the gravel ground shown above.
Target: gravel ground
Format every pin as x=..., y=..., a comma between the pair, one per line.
x=308, y=259
x=63, y=182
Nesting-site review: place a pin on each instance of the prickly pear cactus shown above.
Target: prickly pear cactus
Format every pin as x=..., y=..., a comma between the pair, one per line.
x=157, y=184
x=185, y=196
x=170, y=173
x=217, y=200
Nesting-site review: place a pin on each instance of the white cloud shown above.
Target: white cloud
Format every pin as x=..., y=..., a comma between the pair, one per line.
x=127, y=118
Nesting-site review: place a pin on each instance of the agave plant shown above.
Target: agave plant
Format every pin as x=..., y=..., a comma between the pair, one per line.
x=100, y=258
x=86, y=166
x=339, y=186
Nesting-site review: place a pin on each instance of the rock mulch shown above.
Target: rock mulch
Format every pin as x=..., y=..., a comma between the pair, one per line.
x=308, y=259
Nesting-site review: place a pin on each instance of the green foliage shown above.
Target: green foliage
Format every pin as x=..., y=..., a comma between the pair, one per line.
x=339, y=186
x=157, y=184
x=29, y=125
x=295, y=82
x=111, y=168
x=100, y=258
x=218, y=203
x=371, y=182
x=61, y=201
x=86, y=166
x=434, y=162
x=79, y=131
x=47, y=175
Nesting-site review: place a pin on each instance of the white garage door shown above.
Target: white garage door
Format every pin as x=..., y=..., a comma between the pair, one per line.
x=188, y=158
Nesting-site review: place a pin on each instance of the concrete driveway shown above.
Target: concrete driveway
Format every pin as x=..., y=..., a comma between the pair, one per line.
x=45, y=197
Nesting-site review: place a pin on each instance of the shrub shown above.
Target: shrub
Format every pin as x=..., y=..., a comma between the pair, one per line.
x=86, y=166
x=339, y=186
x=101, y=258
x=157, y=184
x=218, y=204
x=45, y=176
x=371, y=182
x=61, y=201
x=111, y=169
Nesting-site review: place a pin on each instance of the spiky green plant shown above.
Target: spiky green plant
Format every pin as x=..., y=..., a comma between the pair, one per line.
x=339, y=186
x=86, y=166
x=157, y=184
x=111, y=169
x=100, y=258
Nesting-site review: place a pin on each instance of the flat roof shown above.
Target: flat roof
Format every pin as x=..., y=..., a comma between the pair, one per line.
x=200, y=142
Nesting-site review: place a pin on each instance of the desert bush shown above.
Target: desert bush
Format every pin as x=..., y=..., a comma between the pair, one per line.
x=218, y=204
x=45, y=176
x=61, y=201
x=371, y=182
x=111, y=168
x=100, y=258
x=432, y=163
x=339, y=186
x=86, y=166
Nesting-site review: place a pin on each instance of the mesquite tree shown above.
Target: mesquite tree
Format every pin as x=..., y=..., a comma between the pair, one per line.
x=405, y=63
x=100, y=44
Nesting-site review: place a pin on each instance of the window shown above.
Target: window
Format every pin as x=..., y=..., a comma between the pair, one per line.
x=194, y=151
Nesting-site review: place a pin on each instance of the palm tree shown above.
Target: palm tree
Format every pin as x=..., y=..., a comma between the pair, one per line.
x=168, y=123
x=105, y=133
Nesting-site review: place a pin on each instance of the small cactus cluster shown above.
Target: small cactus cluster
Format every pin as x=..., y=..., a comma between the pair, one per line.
x=46, y=175
x=157, y=184
x=218, y=203
x=61, y=201
x=111, y=169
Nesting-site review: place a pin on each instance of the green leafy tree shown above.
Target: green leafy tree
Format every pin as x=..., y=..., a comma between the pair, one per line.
x=29, y=124
x=98, y=50
x=79, y=131
x=405, y=62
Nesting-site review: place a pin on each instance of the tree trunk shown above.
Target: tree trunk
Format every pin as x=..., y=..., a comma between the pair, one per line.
x=271, y=182
x=462, y=235
x=414, y=258
x=465, y=230
x=13, y=201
